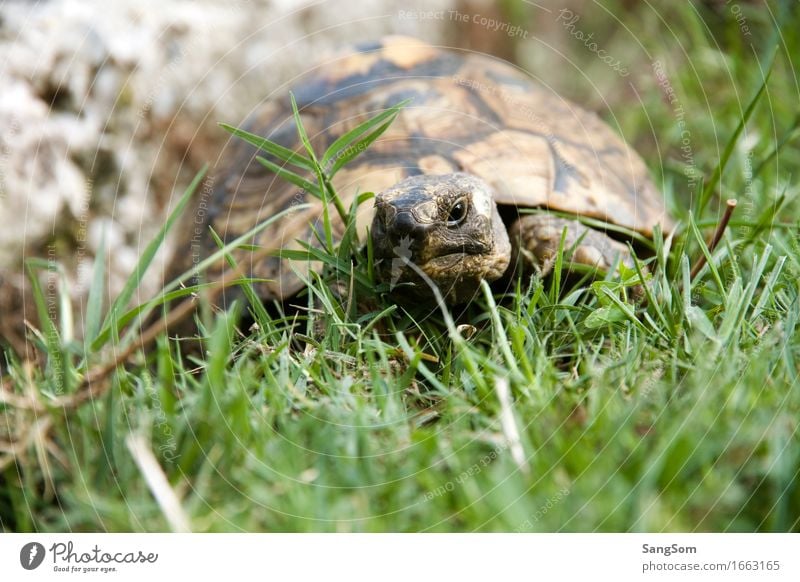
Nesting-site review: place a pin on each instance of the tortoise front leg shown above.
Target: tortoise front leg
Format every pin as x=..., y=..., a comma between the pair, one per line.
x=535, y=239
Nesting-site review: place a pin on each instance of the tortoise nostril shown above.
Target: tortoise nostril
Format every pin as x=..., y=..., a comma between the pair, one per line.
x=405, y=225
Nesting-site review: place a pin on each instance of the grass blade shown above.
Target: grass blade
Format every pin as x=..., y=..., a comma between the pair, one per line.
x=768, y=291
x=144, y=309
x=726, y=154
x=707, y=253
x=315, y=254
x=277, y=150
x=342, y=144
x=327, y=191
x=260, y=313
x=149, y=253
x=358, y=148
x=349, y=242
x=56, y=358
x=94, y=303
x=290, y=176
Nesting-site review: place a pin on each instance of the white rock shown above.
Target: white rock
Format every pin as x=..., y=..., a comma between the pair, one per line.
x=133, y=84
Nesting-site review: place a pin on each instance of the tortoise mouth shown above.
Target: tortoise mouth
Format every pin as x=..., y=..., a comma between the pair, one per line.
x=457, y=275
x=456, y=268
x=446, y=261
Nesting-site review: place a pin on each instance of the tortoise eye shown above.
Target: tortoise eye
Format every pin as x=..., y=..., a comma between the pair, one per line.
x=458, y=212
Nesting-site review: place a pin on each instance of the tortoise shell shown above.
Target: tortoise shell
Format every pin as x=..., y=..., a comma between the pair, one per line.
x=468, y=113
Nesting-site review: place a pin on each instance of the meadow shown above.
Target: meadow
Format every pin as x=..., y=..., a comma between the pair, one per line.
x=563, y=404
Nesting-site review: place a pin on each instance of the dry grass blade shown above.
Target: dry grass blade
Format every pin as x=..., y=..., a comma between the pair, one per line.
x=93, y=383
x=509, y=424
x=157, y=483
x=730, y=206
x=36, y=434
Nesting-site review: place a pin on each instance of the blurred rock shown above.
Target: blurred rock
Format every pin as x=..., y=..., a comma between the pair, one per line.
x=107, y=110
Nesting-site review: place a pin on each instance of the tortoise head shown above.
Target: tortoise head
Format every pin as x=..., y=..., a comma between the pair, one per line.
x=443, y=230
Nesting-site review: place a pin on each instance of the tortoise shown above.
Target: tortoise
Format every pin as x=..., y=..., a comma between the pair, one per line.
x=479, y=142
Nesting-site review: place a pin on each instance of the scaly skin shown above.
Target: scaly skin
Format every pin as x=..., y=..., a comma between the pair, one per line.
x=535, y=240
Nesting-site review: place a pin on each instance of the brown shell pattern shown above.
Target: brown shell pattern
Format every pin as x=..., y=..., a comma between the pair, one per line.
x=469, y=113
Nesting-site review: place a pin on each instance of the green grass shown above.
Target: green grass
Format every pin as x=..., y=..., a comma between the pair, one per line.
x=679, y=413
